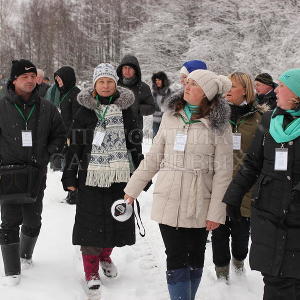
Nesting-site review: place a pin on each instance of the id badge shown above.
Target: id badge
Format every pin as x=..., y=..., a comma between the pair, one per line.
x=237, y=138
x=26, y=138
x=98, y=138
x=180, y=142
x=281, y=159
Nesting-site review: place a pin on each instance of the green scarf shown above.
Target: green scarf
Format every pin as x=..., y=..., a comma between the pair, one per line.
x=291, y=132
x=190, y=109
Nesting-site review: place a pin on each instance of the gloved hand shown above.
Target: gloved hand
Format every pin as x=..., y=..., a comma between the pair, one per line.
x=233, y=212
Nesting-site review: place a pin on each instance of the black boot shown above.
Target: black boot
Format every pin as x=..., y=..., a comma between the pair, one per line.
x=11, y=259
x=72, y=197
x=27, y=244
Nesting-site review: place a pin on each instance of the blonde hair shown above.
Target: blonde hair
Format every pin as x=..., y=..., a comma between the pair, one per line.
x=247, y=83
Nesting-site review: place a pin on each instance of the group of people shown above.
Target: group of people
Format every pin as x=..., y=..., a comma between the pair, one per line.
x=214, y=129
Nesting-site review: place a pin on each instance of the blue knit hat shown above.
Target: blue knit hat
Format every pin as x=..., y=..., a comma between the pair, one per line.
x=193, y=65
x=291, y=78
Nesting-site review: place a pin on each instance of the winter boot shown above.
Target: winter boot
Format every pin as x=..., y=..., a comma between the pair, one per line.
x=195, y=275
x=238, y=266
x=107, y=265
x=11, y=261
x=179, y=284
x=27, y=244
x=91, y=269
x=222, y=272
x=72, y=197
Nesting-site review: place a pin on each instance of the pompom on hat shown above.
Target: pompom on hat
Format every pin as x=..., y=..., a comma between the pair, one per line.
x=211, y=83
x=291, y=78
x=105, y=70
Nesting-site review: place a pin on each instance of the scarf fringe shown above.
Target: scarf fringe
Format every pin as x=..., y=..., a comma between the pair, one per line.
x=105, y=178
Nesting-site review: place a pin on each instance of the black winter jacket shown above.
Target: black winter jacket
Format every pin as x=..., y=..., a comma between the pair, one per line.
x=68, y=104
x=275, y=222
x=46, y=124
x=94, y=225
x=144, y=102
x=268, y=99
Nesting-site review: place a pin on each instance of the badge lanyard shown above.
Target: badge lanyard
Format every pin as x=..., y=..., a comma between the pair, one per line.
x=26, y=134
x=99, y=135
x=237, y=137
x=102, y=117
x=23, y=116
x=64, y=97
x=188, y=122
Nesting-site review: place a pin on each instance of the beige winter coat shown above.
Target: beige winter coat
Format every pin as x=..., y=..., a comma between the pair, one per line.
x=190, y=184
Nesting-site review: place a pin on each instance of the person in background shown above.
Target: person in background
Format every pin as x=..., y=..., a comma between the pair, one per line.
x=192, y=154
x=46, y=80
x=31, y=131
x=130, y=76
x=160, y=91
x=64, y=96
x=273, y=164
x=189, y=67
x=244, y=119
x=42, y=87
x=99, y=162
x=265, y=86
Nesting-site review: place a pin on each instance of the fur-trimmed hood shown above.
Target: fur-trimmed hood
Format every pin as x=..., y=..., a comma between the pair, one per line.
x=218, y=117
x=125, y=99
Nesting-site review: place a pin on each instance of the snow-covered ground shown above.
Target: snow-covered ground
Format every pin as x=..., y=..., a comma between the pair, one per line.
x=57, y=273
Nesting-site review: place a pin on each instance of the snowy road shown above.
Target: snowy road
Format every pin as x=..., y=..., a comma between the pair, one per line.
x=57, y=273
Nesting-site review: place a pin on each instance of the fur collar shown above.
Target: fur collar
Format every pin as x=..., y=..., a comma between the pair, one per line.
x=218, y=117
x=125, y=99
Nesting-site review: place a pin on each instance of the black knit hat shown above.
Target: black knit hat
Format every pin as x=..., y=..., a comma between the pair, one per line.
x=265, y=78
x=20, y=67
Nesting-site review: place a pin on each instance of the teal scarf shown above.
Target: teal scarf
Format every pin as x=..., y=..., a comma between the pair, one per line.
x=291, y=132
x=190, y=109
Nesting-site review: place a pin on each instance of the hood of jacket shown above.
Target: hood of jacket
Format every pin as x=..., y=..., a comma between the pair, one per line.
x=67, y=75
x=125, y=99
x=129, y=60
x=218, y=116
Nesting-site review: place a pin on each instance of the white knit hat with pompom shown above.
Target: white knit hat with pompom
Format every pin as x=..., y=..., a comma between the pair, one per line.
x=211, y=83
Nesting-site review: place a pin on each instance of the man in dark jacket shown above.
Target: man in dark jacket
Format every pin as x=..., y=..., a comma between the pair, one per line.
x=64, y=96
x=130, y=76
x=265, y=86
x=31, y=130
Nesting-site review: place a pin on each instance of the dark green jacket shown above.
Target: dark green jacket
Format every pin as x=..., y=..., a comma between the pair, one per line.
x=246, y=125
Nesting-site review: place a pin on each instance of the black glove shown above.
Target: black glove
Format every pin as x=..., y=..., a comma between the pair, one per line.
x=233, y=212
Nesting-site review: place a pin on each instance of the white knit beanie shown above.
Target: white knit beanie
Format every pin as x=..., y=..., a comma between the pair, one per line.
x=184, y=71
x=211, y=83
x=105, y=70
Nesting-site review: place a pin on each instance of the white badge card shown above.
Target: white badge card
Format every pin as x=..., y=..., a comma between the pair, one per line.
x=281, y=159
x=26, y=138
x=180, y=142
x=98, y=138
x=237, y=139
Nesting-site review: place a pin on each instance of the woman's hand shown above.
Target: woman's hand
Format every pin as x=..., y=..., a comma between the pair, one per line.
x=128, y=199
x=210, y=225
x=71, y=188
